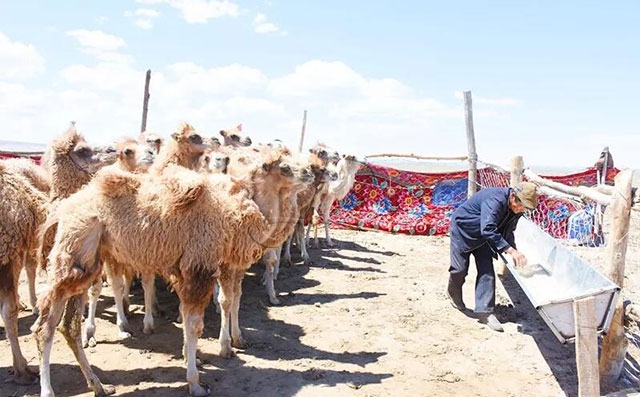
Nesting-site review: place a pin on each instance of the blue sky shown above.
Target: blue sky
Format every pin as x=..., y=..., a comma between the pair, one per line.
x=552, y=81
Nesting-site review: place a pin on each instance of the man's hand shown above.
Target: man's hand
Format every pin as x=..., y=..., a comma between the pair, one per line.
x=518, y=258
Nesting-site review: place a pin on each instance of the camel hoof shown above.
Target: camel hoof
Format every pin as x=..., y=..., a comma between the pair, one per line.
x=227, y=352
x=124, y=335
x=148, y=329
x=26, y=377
x=22, y=307
x=201, y=390
x=240, y=343
x=92, y=342
x=105, y=390
x=329, y=243
x=274, y=301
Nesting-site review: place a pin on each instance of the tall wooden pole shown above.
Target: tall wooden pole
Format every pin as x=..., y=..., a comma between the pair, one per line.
x=517, y=166
x=614, y=343
x=145, y=102
x=471, y=145
x=304, y=127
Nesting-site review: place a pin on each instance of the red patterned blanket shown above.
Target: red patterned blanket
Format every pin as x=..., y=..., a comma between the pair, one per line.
x=396, y=201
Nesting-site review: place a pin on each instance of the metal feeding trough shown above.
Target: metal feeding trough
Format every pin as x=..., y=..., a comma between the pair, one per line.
x=555, y=277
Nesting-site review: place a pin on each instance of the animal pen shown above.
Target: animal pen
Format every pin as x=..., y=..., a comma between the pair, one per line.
x=576, y=301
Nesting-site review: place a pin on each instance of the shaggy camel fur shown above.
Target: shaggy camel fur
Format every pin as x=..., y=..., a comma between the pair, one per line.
x=190, y=224
x=347, y=168
x=22, y=209
x=133, y=157
x=39, y=179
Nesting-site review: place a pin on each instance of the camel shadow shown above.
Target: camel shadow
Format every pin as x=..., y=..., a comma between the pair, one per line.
x=349, y=245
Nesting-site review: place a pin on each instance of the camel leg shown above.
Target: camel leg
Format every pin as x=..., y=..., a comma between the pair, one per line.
x=149, y=298
x=51, y=309
x=71, y=329
x=270, y=259
x=226, y=301
x=216, y=294
x=287, y=252
x=325, y=219
x=30, y=268
x=126, y=292
x=88, y=336
x=192, y=329
x=9, y=303
x=236, y=334
x=299, y=233
x=117, y=285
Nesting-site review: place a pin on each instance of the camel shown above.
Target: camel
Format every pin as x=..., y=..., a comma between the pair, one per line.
x=24, y=204
x=39, y=179
x=150, y=139
x=325, y=173
x=134, y=157
x=347, y=168
x=195, y=228
x=184, y=149
x=234, y=137
x=23, y=208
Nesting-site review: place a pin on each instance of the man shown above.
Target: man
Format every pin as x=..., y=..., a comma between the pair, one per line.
x=483, y=226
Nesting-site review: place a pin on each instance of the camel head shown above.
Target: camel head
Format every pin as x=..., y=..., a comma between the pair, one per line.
x=324, y=153
x=134, y=156
x=350, y=163
x=189, y=140
x=218, y=163
x=151, y=139
x=72, y=145
x=235, y=137
x=215, y=143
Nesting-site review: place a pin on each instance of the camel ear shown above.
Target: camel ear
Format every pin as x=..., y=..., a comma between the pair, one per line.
x=175, y=136
x=223, y=133
x=265, y=166
x=239, y=127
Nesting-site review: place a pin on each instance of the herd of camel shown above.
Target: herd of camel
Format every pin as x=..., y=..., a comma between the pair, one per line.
x=198, y=211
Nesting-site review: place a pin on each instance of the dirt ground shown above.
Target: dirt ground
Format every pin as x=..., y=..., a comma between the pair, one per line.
x=368, y=318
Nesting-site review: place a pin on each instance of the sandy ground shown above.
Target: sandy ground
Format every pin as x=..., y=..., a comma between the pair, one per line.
x=368, y=318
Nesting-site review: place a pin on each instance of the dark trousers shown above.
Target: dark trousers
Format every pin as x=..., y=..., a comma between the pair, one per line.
x=486, y=279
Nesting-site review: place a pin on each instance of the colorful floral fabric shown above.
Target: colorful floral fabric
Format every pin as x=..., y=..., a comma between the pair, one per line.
x=396, y=201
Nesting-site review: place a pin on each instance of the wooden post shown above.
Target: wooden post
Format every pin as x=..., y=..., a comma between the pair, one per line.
x=517, y=166
x=471, y=145
x=614, y=343
x=304, y=127
x=145, y=102
x=585, y=320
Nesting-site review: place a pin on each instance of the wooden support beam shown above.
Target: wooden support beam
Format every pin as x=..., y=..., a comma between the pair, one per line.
x=415, y=156
x=614, y=343
x=585, y=320
x=579, y=191
x=304, y=127
x=517, y=167
x=471, y=145
x=145, y=102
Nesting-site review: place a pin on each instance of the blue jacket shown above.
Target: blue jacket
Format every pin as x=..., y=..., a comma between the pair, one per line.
x=485, y=217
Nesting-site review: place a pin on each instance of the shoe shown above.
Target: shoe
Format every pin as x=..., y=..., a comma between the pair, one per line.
x=455, y=297
x=491, y=321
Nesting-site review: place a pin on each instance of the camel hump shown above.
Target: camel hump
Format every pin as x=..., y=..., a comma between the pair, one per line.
x=185, y=190
x=117, y=183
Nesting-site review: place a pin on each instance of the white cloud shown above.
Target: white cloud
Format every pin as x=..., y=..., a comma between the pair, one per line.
x=97, y=40
x=263, y=26
x=200, y=11
x=19, y=60
x=144, y=17
x=101, y=45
